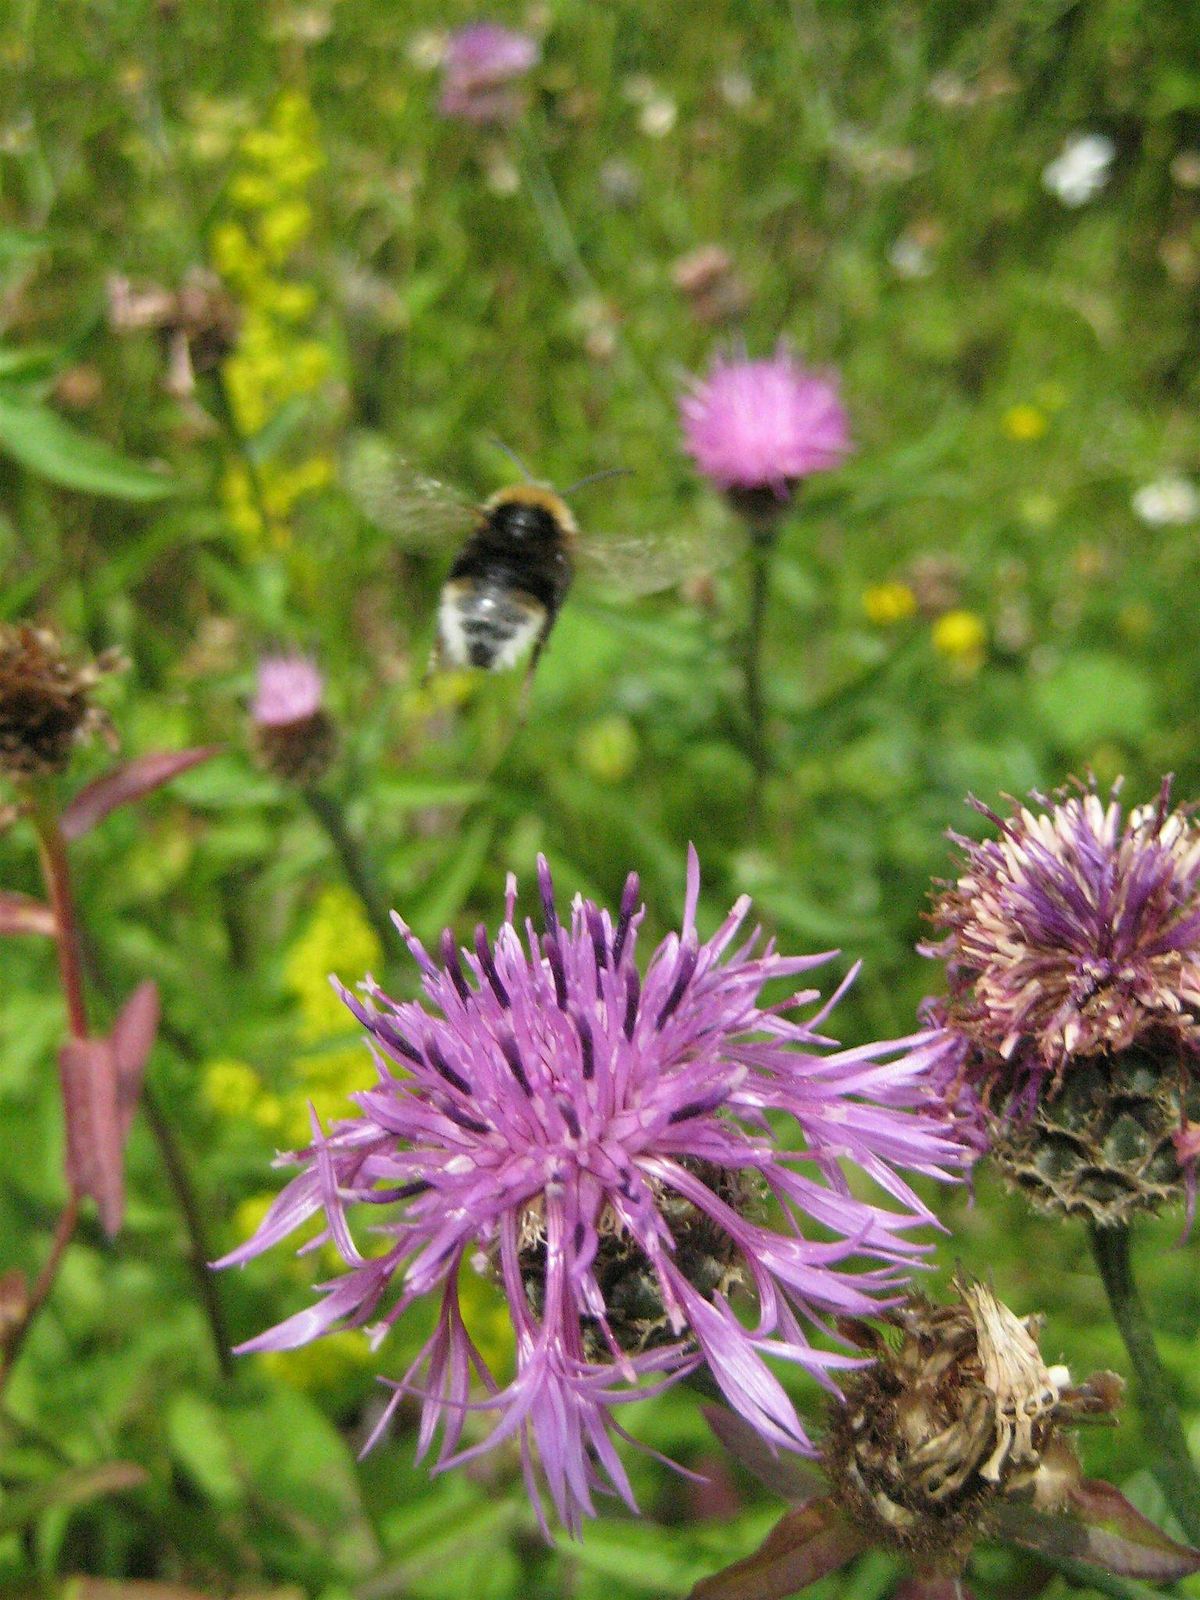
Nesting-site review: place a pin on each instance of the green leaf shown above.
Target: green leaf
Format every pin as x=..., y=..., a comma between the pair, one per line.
x=1094, y=696
x=50, y=447
x=201, y=1444
x=67, y=1489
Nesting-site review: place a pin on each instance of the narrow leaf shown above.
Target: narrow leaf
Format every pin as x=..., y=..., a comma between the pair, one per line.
x=88, y=1068
x=39, y=439
x=21, y=914
x=126, y=783
x=67, y=1489
x=1100, y=1526
x=133, y=1038
x=804, y=1545
x=785, y=1475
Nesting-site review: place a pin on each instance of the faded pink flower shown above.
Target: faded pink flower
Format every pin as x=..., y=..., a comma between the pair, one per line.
x=481, y=63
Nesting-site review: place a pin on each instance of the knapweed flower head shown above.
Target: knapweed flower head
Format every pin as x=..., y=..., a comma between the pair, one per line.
x=600, y=1144
x=757, y=427
x=480, y=66
x=954, y=1434
x=45, y=701
x=293, y=733
x=1072, y=951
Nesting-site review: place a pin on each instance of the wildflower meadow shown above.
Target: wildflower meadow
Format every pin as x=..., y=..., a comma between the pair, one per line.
x=599, y=864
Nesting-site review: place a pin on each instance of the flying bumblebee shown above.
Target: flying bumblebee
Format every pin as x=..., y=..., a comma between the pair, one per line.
x=519, y=553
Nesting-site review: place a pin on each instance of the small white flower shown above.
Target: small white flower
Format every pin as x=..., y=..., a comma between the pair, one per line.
x=908, y=257
x=658, y=116
x=1081, y=170
x=1167, y=501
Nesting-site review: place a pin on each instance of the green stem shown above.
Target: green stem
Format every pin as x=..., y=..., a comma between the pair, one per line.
x=562, y=246
x=199, y=1254
x=756, y=716
x=1171, y=1462
x=329, y=814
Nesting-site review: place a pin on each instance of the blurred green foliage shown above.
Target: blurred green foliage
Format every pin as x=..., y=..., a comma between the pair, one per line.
x=1014, y=369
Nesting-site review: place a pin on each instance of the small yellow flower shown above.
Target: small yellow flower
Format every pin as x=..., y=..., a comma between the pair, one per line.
x=889, y=603
x=608, y=749
x=231, y=1088
x=1024, y=423
x=961, y=636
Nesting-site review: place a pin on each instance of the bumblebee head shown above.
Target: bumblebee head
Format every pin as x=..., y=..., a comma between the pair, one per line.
x=531, y=512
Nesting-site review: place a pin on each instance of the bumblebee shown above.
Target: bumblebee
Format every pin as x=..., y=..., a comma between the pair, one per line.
x=518, y=555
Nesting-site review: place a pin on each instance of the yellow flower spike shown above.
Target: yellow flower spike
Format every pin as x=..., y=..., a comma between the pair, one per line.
x=886, y=604
x=1024, y=423
x=249, y=191
x=233, y=254
x=268, y=1113
x=961, y=637
x=247, y=1219
x=230, y=1088
x=338, y=938
x=292, y=301
x=283, y=227
x=321, y=1364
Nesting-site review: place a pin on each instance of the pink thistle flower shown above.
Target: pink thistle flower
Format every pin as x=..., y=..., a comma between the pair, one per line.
x=294, y=735
x=289, y=689
x=598, y=1143
x=763, y=425
x=1072, y=951
x=481, y=63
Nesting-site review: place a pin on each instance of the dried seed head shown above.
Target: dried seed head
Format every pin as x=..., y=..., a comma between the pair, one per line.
x=198, y=323
x=958, y=1413
x=45, y=701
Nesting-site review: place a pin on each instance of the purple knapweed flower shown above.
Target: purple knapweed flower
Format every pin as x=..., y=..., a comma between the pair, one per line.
x=763, y=425
x=293, y=733
x=601, y=1146
x=1072, y=951
x=480, y=64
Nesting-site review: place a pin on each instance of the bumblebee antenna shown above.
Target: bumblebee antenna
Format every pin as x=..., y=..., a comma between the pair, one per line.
x=512, y=456
x=598, y=477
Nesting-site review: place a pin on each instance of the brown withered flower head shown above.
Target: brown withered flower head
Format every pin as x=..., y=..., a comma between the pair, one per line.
x=958, y=1413
x=1072, y=952
x=45, y=701
x=197, y=323
x=954, y=1434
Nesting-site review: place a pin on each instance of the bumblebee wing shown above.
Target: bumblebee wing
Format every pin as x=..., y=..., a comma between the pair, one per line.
x=629, y=565
x=422, y=513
